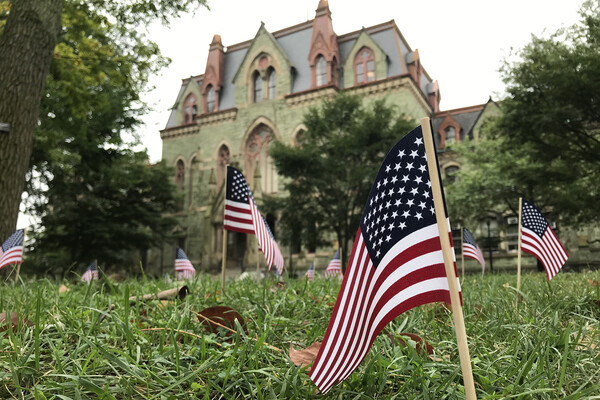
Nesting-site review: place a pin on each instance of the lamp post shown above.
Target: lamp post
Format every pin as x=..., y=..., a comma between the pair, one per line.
x=489, y=243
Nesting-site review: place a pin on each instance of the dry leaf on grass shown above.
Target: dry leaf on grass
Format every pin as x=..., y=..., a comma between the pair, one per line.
x=63, y=289
x=213, y=318
x=14, y=319
x=306, y=356
x=421, y=344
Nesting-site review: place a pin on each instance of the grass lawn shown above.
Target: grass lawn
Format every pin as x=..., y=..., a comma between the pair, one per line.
x=544, y=347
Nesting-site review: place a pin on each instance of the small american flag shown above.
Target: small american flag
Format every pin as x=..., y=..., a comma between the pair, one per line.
x=242, y=215
x=183, y=267
x=334, y=268
x=539, y=240
x=310, y=273
x=396, y=263
x=471, y=249
x=11, y=251
x=91, y=273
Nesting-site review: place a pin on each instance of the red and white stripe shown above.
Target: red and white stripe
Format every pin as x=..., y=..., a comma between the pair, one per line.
x=547, y=249
x=89, y=274
x=184, y=269
x=265, y=242
x=412, y=273
x=14, y=255
x=334, y=268
x=238, y=217
x=475, y=253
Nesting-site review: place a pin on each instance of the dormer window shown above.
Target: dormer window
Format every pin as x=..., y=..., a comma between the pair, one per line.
x=257, y=86
x=190, y=109
x=321, y=71
x=450, y=136
x=364, y=66
x=272, y=84
x=210, y=98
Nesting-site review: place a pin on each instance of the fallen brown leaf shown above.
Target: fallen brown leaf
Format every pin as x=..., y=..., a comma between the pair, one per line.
x=63, y=289
x=421, y=344
x=306, y=356
x=14, y=319
x=213, y=318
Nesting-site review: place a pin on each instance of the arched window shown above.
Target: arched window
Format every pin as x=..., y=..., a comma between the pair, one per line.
x=210, y=98
x=272, y=83
x=321, y=72
x=190, y=109
x=450, y=135
x=193, y=166
x=180, y=174
x=257, y=86
x=258, y=158
x=364, y=66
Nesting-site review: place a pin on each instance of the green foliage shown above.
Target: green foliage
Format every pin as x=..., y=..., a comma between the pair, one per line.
x=544, y=347
x=96, y=198
x=545, y=144
x=331, y=172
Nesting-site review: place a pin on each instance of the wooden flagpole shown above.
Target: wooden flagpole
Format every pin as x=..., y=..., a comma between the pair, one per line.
x=440, y=213
x=19, y=264
x=224, y=258
x=462, y=253
x=519, y=246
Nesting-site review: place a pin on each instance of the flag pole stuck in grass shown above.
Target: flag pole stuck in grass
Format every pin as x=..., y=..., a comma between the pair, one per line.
x=400, y=259
x=224, y=257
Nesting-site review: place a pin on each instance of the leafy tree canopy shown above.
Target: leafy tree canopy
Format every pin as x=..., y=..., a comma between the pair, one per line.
x=95, y=197
x=331, y=169
x=546, y=142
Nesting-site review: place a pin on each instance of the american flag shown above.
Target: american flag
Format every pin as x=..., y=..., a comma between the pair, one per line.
x=310, y=273
x=242, y=215
x=539, y=240
x=334, y=268
x=396, y=263
x=11, y=251
x=471, y=249
x=183, y=267
x=90, y=273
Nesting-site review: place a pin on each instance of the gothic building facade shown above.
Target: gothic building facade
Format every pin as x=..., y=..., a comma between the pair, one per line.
x=254, y=93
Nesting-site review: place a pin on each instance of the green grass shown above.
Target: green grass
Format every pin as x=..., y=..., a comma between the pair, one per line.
x=541, y=348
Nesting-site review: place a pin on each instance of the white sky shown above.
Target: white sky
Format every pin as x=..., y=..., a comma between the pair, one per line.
x=461, y=42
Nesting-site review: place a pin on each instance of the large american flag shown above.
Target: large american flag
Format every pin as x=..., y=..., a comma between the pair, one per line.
x=471, y=249
x=91, y=272
x=396, y=262
x=11, y=251
x=539, y=240
x=334, y=268
x=183, y=267
x=242, y=215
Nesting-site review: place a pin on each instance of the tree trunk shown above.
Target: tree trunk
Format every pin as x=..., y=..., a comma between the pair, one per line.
x=26, y=47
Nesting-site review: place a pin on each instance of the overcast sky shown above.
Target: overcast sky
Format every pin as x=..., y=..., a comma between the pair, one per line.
x=461, y=42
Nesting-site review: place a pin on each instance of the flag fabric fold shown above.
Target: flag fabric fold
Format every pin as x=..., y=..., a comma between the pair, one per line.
x=242, y=215
x=183, y=266
x=396, y=262
x=334, y=268
x=471, y=249
x=11, y=251
x=539, y=240
x=91, y=272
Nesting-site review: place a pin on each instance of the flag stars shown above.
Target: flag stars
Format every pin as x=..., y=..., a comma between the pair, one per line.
x=418, y=216
x=414, y=153
x=419, y=141
x=409, y=166
x=401, y=153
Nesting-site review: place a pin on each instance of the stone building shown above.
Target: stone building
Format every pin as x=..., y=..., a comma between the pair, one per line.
x=253, y=93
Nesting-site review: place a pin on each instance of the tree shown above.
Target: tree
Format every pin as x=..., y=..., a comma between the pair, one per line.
x=27, y=42
x=331, y=171
x=546, y=142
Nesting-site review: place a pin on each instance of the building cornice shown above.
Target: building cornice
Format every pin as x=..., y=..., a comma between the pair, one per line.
x=215, y=118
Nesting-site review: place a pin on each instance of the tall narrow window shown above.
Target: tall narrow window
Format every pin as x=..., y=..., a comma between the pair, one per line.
x=190, y=109
x=180, y=183
x=257, y=87
x=272, y=83
x=321, y=71
x=450, y=135
x=210, y=98
x=364, y=66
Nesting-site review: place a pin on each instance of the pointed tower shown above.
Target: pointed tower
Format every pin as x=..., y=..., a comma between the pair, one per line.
x=324, y=55
x=213, y=76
